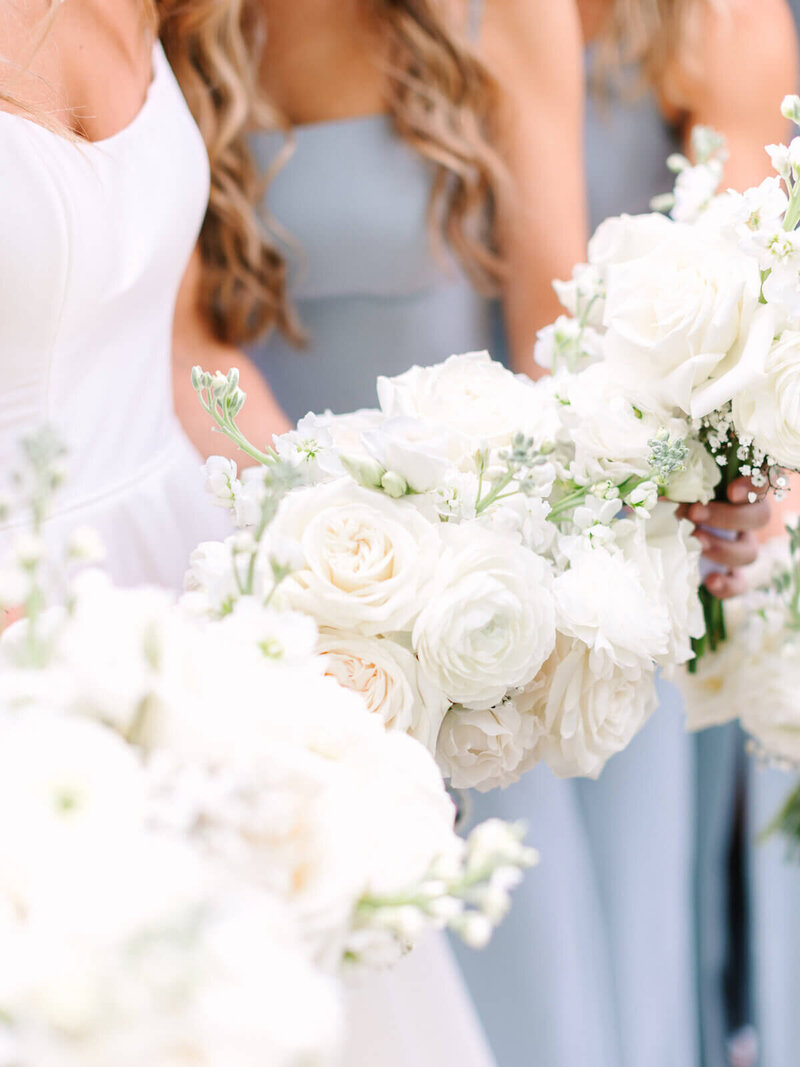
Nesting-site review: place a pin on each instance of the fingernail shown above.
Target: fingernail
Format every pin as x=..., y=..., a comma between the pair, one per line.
x=699, y=513
x=739, y=494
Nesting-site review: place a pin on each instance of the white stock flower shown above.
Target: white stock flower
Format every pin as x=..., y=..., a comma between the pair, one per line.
x=587, y=708
x=699, y=478
x=471, y=396
x=387, y=675
x=694, y=190
x=416, y=449
x=490, y=747
x=769, y=411
x=683, y=316
x=601, y=601
x=367, y=558
x=310, y=449
x=488, y=623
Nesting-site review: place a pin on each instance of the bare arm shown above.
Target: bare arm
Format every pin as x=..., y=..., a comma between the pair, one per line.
x=736, y=66
x=194, y=343
x=535, y=50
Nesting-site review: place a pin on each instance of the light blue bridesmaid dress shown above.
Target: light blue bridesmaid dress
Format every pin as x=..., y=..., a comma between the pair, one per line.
x=595, y=964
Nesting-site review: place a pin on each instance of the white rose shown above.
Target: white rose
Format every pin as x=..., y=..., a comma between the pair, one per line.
x=610, y=435
x=482, y=749
x=698, y=479
x=626, y=237
x=367, y=558
x=601, y=601
x=684, y=322
x=416, y=449
x=489, y=622
x=471, y=396
x=587, y=707
x=388, y=677
x=667, y=556
x=769, y=411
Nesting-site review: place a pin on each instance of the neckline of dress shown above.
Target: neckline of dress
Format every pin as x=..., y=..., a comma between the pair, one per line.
x=159, y=63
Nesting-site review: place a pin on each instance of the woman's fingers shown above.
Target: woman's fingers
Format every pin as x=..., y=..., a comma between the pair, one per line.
x=737, y=517
x=724, y=586
x=737, y=553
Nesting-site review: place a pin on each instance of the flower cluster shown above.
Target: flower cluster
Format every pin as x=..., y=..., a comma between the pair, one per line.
x=755, y=677
x=207, y=829
x=695, y=319
x=486, y=558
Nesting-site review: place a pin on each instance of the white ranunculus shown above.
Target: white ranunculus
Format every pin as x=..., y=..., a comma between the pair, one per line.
x=769, y=411
x=471, y=396
x=416, y=449
x=488, y=622
x=698, y=479
x=667, y=556
x=601, y=601
x=387, y=675
x=684, y=321
x=483, y=749
x=587, y=708
x=367, y=558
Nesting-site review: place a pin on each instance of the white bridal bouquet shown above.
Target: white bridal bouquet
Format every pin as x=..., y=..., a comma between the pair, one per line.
x=486, y=558
x=695, y=318
x=207, y=830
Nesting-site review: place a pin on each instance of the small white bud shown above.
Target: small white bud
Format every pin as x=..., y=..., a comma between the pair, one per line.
x=790, y=108
x=394, y=485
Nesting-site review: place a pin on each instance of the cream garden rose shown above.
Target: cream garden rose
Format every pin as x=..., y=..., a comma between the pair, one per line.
x=367, y=557
x=387, y=675
x=489, y=619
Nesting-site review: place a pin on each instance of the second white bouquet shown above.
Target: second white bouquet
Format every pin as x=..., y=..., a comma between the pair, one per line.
x=487, y=564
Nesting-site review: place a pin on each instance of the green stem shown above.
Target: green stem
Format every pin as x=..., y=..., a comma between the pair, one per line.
x=786, y=821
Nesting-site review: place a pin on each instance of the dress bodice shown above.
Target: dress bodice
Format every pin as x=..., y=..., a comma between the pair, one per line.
x=627, y=142
x=376, y=287
x=94, y=240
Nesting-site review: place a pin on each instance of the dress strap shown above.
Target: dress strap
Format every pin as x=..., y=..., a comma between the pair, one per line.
x=474, y=19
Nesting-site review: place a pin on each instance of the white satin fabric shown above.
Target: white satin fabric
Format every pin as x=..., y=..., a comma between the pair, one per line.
x=94, y=241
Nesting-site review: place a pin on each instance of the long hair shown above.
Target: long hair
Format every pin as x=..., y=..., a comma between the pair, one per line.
x=440, y=98
x=648, y=35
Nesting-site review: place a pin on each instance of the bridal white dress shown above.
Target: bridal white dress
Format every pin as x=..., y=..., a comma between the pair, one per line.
x=94, y=241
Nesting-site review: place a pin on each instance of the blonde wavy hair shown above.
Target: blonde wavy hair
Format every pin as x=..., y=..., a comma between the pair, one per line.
x=648, y=34
x=440, y=98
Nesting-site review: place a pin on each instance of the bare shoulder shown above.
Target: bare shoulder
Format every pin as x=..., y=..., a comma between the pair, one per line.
x=734, y=54
x=539, y=36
